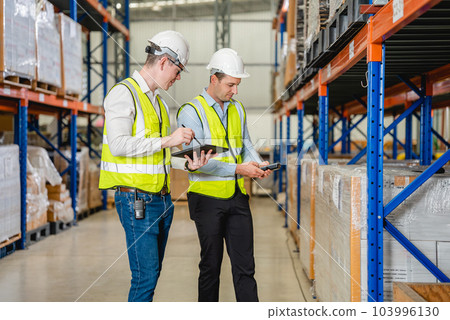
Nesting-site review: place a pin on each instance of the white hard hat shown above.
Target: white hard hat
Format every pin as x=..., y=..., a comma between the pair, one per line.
x=227, y=61
x=174, y=44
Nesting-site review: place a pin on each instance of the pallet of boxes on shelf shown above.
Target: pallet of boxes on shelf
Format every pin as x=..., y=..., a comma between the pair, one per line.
x=17, y=37
x=292, y=197
x=341, y=230
x=308, y=186
x=71, y=58
x=40, y=170
x=48, y=50
x=95, y=194
x=82, y=159
x=9, y=195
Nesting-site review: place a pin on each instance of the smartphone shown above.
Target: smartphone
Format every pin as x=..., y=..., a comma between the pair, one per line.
x=272, y=166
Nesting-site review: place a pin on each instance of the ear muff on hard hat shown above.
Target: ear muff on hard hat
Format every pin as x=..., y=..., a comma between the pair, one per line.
x=172, y=43
x=227, y=61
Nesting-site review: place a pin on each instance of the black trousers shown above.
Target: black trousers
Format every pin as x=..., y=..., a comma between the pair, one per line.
x=231, y=220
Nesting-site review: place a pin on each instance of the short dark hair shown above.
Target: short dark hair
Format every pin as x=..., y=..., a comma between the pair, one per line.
x=151, y=57
x=219, y=75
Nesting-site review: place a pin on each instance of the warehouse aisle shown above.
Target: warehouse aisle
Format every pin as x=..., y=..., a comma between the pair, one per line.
x=89, y=262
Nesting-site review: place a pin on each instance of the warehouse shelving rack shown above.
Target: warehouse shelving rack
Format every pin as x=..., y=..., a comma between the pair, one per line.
x=27, y=105
x=407, y=48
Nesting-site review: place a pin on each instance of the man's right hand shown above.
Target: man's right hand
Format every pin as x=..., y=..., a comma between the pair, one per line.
x=250, y=169
x=179, y=136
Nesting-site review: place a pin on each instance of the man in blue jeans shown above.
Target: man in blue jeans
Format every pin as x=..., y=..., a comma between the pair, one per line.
x=136, y=158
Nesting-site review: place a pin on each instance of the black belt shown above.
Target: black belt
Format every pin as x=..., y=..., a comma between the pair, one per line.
x=163, y=191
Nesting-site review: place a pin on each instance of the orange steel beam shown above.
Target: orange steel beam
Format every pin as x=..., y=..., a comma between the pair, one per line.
x=384, y=25
x=113, y=21
x=44, y=101
x=391, y=19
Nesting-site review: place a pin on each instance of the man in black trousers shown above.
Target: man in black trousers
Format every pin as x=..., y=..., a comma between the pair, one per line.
x=218, y=201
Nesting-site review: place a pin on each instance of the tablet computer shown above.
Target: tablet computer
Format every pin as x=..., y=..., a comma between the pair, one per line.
x=189, y=152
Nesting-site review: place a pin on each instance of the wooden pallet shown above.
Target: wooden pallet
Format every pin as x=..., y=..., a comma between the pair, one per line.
x=68, y=96
x=43, y=87
x=16, y=81
x=421, y=292
x=10, y=240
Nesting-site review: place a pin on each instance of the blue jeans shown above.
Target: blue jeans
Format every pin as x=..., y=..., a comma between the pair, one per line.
x=146, y=240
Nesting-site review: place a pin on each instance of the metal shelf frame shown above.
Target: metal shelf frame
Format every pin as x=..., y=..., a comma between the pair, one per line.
x=383, y=96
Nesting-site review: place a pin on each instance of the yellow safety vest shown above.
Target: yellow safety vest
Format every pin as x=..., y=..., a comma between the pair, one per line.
x=215, y=134
x=147, y=173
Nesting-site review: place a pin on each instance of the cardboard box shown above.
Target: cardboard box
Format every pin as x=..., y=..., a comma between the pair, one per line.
x=59, y=188
x=59, y=196
x=95, y=197
x=179, y=184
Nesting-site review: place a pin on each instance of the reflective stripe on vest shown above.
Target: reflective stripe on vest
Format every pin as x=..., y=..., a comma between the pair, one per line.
x=215, y=134
x=147, y=173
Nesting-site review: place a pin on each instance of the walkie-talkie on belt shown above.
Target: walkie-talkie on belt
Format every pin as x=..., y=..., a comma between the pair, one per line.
x=139, y=207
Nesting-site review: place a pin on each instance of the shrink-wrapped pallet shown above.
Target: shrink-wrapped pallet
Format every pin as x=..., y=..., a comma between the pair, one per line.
x=60, y=204
x=317, y=17
x=82, y=159
x=95, y=194
x=309, y=178
x=48, y=71
x=292, y=219
x=18, y=48
x=40, y=169
x=9, y=192
x=71, y=56
x=341, y=235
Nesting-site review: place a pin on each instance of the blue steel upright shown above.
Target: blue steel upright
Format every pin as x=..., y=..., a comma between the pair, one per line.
x=21, y=139
x=275, y=157
x=288, y=138
x=73, y=9
x=426, y=146
x=323, y=126
x=280, y=153
x=73, y=163
x=394, y=142
x=126, y=23
x=105, y=77
x=375, y=135
x=408, y=137
x=300, y=114
x=344, y=141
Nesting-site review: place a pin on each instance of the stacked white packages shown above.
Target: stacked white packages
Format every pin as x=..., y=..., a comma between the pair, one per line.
x=72, y=59
x=19, y=48
x=9, y=192
x=48, y=45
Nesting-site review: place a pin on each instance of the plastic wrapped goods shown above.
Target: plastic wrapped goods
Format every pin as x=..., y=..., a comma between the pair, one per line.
x=18, y=54
x=48, y=45
x=71, y=55
x=95, y=194
x=82, y=175
x=341, y=229
x=292, y=196
x=9, y=192
x=40, y=160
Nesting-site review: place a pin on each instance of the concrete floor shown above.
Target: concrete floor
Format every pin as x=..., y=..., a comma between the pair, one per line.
x=89, y=262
